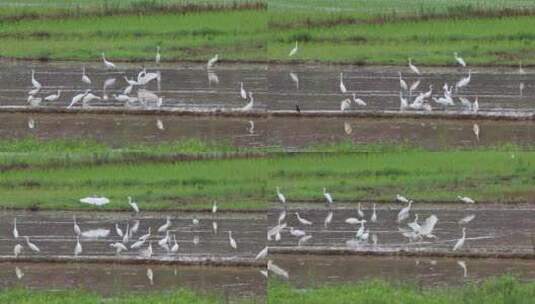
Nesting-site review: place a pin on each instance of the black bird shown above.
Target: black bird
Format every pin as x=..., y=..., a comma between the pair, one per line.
x=297, y=108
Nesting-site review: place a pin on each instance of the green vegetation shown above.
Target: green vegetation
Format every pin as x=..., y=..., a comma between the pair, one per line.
x=26, y=296
x=55, y=175
x=361, y=32
x=493, y=291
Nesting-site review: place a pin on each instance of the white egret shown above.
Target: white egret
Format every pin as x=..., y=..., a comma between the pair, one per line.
x=354, y=221
x=137, y=244
x=15, y=231
x=297, y=232
x=145, y=236
x=232, y=241
x=32, y=246
x=262, y=254
x=426, y=229
x=342, y=86
x=402, y=83
x=243, y=94
x=34, y=101
x=31, y=123
x=77, y=98
x=78, y=247
x=347, y=128
x=460, y=242
x=34, y=91
x=294, y=50
x=76, y=228
x=281, y=196
x=402, y=199
x=414, y=86
x=85, y=78
x=429, y=92
x=413, y=67
x=373, y=218
x=110, y=82
x=121, y=97
x=17, y=250
x=475, y=128
x=445, y=101
x=464, y=81
x=360, y=231
x=295, y=79
x=119, y=247
x=282, y=216
x=462, y=264
x=165, y=241
x=303, y=240
x=126, y=233
x=18, y=273
x=175, y=245
x=466, y=103
x=345, y=104
x=165, y=226
x=196, y=240
x=374, y=239
x=520, y=69
x=158, y=56
x=118, y=230
x=109, y=65
x=475, y=105
x=404, y=213
x=212, y=78
x=275, y=230
x=249, y=105
x=465, y=199
x=195, y=221
x=359, y=211
x=250, y=128
x=277, y=270
x=133, y=204
x=53, y=97
x=214, y=207
x=150, y=276
x=96, y=233
x=459, y=59
x=414, y=224
x=328, y=219
x=358, y=101
x=328, y=197
x=159, y=124
x=212, y=61
x=147, y=253
x=36, y=84
x=130, y=82
x=134, y=228
x=403, y=102
x=467, y=219
x=264, y=273
x=302, y=220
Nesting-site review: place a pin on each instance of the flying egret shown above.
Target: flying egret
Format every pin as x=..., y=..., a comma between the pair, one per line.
x=85, y=78
x=53, y=97
x=109, y=65
x=359, y=211
x=459, y=59
x=232, y=241
x=15, y=231
x=118, y=247
x=158, y=56
x=404, y=213
x=328, y=219
x=302, y=220
x=373, y=218
x=426, y=229
x=402, y=83
x=467, y=219
x=17, y=250
x=328, y=197
x=413, y=67
x=165, y=226
x=294, y=50
x=342, y=86
x=36, y=84
x=77, y=98
x=32, y=246
x=133, y=204
x=297, y=232
x=280, y=196
x=76, y=228
x=78, y=247
x=212, y=61
x=243, y=94
x=262, y=254
x=465, y=199
x=358, y=101
x=460, y=242
x=249, y=105
x=475, y=128
x=345, y=104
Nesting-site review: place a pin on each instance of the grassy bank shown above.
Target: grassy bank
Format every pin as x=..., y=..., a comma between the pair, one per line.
x=359, y=32
x=501, y=290
x=163, y=182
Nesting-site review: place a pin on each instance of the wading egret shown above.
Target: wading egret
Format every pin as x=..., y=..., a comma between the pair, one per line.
x=249, y=106
x=328, y=197
x=32, y=246
x=282, y=216
x=342, y=85
x=345, y=104
x=463, y=266
x=53, y=97
x=402, y=83
x=18, y=273
x=297, y=232
x=475, y=105
x=373, y=218
x=136, y=245
x=85, y=78
x=31, y=123
x=262, y=254
x=145, y=236
x=78, y=247
x=459, y=59
x=175, y=245
x=118, y=230
x=280, y=196
x=302, y=220
x=36, y=84
x=328, y=219
x=232, y=241
x=147, y=253
x=214, y=207
x=475, y=128
x=414, y=86
x=358, y=101
x=294, y=50
x=347, y=128
x=17, y=250
x=118, y=247
x=250, y=128
x=277, y=270
x=520, y=69
x=467, y=219
x=15, y=231
x=150, y=276
x=133, y=204
x=359, y=211
x=464, y=81
x=77, y=98
x=413, y=67
x=460, y=242
x=34, y=101
x=212, y=61
x=165, y=226
x=158, y=56
x=295, y=79
x=76, y=228
x=404, y=213
x=109, y=65
x=126, y=233
x=403, y=102
x=243, y=94
x=165, y=241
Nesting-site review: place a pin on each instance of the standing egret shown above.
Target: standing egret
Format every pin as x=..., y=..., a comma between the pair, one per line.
x=464, y=81
x=250, y=128
x=475, y=128
x=460, y=242
x=109, y=65
x=302, y=220
x=345, y=104
x=429, y=92
x=78, y=247
x=165, y=226
x=212, y=61
x=294, y=50
x=520, y=69
x=31, y=123
x=467, y=219
x=414, y=86
x=459, y=59
x=32, y=246
x=403, y=102
x=475, y=105
x=328, y=219
x=373, y=218
x=359, y=211
x=282, y=216
x=402, y=83
x=297, y=232
x=262, y=254
x=17, y=250
x=280, y=196
x=404, y=213
x=295, y=79
x=232, y=241
x=85, y=78
x=413, y=67
x=159, y=125
x=15, y=231
x=126, y=233
x=358, y=101
x=466, y=103
x=118, y=230
x=360, y=231
x=250, y=104
x=53, y=97
x=158, y=56
x=214, y=207
x=136, y=245
x=175, y=245
x=18, y=273
x=145, y=236
x=34, y=91
x=465, y=199
x=34, y=101
x=165, y=241
x=36, y=84
x=243, y=94
x=147, y=253
x=347, y=128
x=76, y=228
x=463, y=266
x=277, y=270
x=133, y=204
x=195, y=221
x=342, y=86
x=119, y=247
x=328, y=197
x=77, y=98
x=150, y=276
x=134, y=228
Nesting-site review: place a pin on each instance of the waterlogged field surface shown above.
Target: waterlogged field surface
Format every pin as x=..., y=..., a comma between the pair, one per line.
x=495, y=229
x=231, y=284
x=204, y=239
x=274, y=87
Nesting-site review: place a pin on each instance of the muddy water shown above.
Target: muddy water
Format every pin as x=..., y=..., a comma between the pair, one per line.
x=493, y=230
x=53, y=233
x=309, y=271
x=230, y=284
x=288, y=133
x=190, y=86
